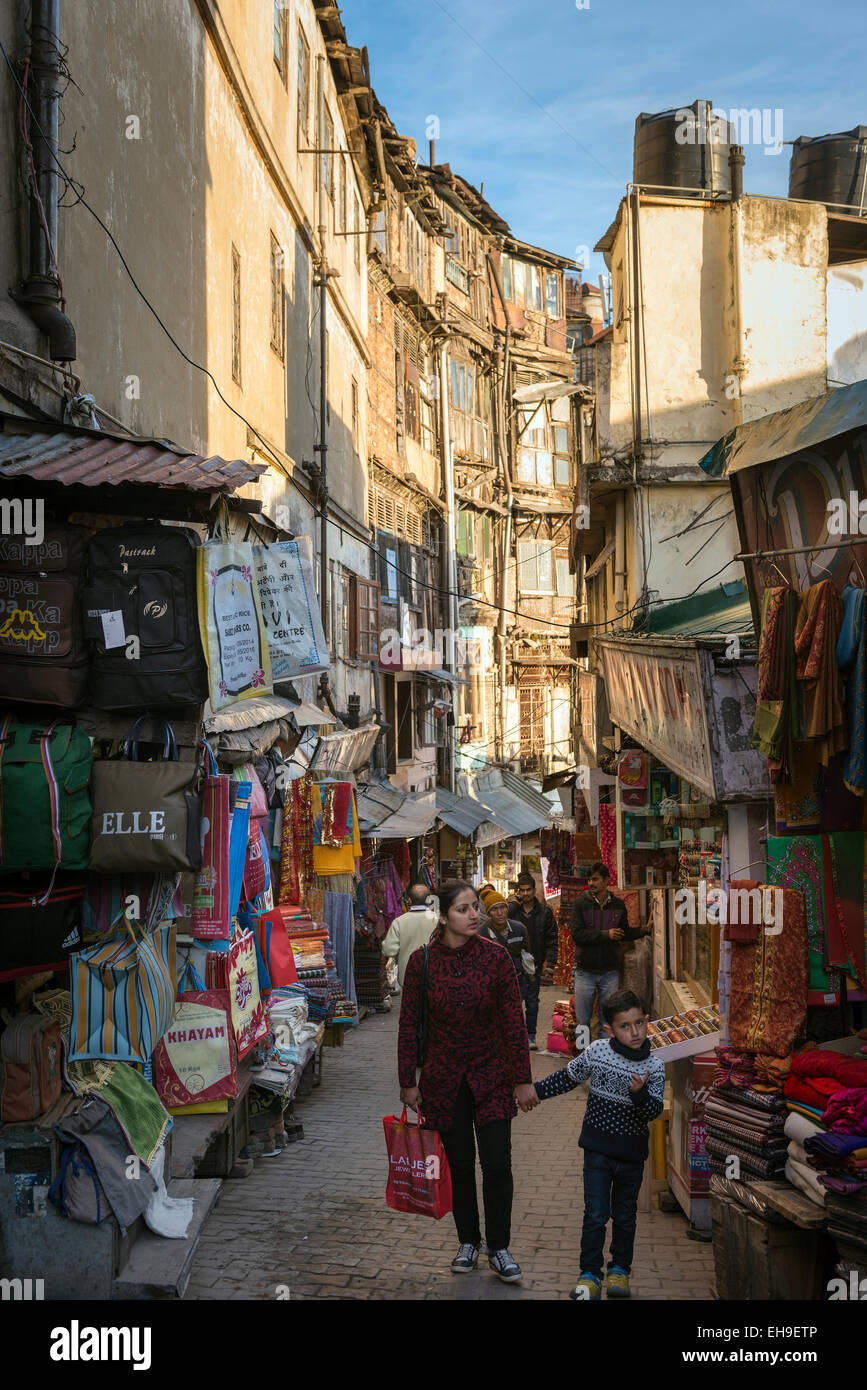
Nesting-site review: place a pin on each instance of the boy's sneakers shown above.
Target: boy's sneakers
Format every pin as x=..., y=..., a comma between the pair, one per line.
x=618, y=1283
x=532, y=1044
x=504, y=1266
x=465, y=1260
x=587, y=1290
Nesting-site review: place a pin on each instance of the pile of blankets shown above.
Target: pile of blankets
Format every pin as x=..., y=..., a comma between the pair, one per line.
x=826, y=1096
x=747, y=1125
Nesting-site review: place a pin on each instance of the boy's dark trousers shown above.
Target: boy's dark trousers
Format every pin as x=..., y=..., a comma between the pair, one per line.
x=611, y=1188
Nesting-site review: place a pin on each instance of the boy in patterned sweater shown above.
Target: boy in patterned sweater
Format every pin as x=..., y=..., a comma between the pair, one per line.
x=626, y=1090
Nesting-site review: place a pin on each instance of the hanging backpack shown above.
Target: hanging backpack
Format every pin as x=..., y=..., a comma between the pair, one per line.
x=30, y=1074
x=142, y=620
x=43, y=655
x=44, y=800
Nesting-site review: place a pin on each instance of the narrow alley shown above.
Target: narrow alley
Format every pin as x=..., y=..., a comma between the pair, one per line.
x=312, y=1222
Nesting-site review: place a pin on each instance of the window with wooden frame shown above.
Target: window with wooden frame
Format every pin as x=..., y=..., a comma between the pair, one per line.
x=403, y=719
x=364, y=640
x=303, y=85
x=280, y=37
x=535, y=567
x=277, y=298
x=236, y=315
x=552, y=294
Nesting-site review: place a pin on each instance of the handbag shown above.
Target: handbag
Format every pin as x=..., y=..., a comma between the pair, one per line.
x=44, y=801
x=194, y=1060
x=211, y=915
x=146, y=816
x=419, y=1178
x=123, y=995
x=423, y=1026
x=276, y=946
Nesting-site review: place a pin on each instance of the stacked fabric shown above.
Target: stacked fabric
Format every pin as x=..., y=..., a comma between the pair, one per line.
x=827, y=1098
x=371, y=985
x=315, y=983
x=745, y=1124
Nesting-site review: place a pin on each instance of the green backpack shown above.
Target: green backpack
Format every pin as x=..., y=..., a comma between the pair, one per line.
x=44, y=802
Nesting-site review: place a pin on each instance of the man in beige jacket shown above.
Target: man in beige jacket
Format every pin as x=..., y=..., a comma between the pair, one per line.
x=411, y=930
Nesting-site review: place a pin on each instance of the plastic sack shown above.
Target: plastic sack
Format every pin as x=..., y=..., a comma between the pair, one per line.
x=419, y=1179
x=232, y=626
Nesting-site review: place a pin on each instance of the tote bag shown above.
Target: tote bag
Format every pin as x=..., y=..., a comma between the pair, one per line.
x=211, y=915
x=123, y=995
x=290, y=608
x=233, y=630
x=419, y=1178
x=146, y=816
x=239, y=973
x=194, y=1061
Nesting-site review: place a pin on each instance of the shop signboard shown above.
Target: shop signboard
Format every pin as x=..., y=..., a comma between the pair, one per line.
x=693, y=709
x=655, y=693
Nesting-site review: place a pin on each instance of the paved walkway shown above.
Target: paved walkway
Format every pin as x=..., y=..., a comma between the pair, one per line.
x=312, y=1223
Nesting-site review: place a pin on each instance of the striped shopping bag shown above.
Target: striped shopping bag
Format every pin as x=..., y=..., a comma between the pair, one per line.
x=123, y=995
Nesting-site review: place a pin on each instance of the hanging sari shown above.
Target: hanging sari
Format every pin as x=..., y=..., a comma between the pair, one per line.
x=817, y=628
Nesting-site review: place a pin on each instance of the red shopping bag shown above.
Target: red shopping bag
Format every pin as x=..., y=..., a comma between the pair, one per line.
x=419, y=1180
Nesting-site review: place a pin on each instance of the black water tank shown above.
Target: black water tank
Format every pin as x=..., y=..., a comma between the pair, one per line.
x=831, y=169
x=686, y=148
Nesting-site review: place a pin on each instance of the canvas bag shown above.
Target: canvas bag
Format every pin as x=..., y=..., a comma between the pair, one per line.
x=43, y=655
x=146, y=816
x=233, y=630
x=194, y=1060
x=212, y=917
x=238, y=971
x=44, y=798
x=290, y=608
x=77, y=1191
x=276, y=946
x=123, y=995
x=30, y=1072
x=39, y=929
x=419, y=1178
x=146, y=576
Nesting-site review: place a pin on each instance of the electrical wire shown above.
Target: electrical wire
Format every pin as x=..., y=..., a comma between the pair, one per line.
x=433, y=588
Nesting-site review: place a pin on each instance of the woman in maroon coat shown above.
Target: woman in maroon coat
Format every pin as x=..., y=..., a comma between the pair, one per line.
x=477, y=1070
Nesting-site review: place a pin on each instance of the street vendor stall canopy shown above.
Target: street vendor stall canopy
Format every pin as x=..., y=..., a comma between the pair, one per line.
x=788, y=431
x=78, y=457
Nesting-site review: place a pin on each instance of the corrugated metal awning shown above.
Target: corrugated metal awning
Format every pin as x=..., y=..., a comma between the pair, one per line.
x=786, y=431
x=461, y=813
x=93, y=458
x=346, y=750
x=512, y=802
x=415, y=815
x=548, y=391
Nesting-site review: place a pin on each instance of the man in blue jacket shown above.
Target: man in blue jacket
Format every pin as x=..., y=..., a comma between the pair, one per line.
x=599, y=924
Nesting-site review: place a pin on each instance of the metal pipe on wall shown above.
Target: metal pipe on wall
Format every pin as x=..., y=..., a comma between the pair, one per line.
x=736, y=164
x=450, y=576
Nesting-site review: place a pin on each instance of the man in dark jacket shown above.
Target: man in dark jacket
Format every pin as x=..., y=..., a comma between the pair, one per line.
x=599, y=924
x=541, y=928
x=499, y=927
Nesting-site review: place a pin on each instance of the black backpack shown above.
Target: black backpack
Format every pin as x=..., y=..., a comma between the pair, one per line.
x=43, y=655
x=147, y=574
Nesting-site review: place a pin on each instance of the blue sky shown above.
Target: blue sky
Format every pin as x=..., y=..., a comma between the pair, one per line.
x=555, y=157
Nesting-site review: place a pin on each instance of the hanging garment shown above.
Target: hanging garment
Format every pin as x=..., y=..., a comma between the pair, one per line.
x=777, y=722
x=796, y=802
x=851, y=658
x=296, y=844
x=817, y=628
x=829, y=871
x=768, y=999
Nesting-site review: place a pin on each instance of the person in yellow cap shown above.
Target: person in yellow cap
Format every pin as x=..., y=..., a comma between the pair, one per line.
x=506, y=932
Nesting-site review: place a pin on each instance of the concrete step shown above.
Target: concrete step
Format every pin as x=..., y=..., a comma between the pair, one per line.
x=158, y=1267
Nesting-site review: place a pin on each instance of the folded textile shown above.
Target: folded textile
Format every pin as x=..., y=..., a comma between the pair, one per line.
x=805, y=1180
x=816, y=1091
x=797, y=1151
x=137, y=1108
x=756, y=1142
x=846, y=1112
x=763, y=1101
x=836, y=1145
x=841, y=1066
x=741, y=1114
x=763, y=1167
x=799, y=1128
x=771, y=1074
x=808, y=1111
x=846, y=1186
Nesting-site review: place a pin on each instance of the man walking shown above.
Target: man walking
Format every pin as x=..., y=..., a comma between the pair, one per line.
x=599, y=924
x=541, y=927
x=411, y=930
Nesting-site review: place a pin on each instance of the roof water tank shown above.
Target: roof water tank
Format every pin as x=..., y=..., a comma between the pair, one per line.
x=684, y=149
x=831, y=169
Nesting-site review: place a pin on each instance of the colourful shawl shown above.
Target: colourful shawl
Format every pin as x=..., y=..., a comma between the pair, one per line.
x=768, y=1004
x=829, y=871
x=777, y=693
x=846, y=1111
x=852, y=661
x=835, y=1145
x=817, y=627
x=849, y=1070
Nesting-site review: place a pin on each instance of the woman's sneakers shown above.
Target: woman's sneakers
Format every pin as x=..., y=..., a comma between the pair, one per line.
x=618, y=1283
x=504, y=1266
x=588, y=1289
x=465, y=1260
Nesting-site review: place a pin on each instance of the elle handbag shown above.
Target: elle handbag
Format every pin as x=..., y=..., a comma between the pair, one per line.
x=146, y=816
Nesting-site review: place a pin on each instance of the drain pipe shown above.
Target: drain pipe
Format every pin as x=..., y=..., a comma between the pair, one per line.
x=739, y=366
x=40, y=293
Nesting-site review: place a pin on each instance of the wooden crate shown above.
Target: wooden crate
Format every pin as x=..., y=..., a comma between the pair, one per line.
x=757, y=1260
